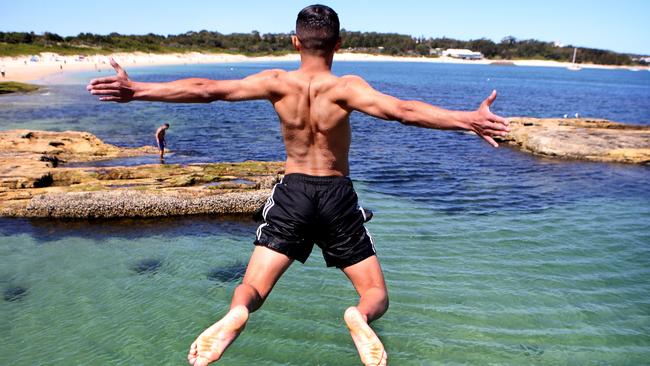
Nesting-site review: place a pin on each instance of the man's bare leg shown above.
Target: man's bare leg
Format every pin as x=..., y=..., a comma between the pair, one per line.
x=368, y=280
x=264, y=269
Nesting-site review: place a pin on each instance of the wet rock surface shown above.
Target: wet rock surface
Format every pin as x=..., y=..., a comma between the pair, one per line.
x=35, y=182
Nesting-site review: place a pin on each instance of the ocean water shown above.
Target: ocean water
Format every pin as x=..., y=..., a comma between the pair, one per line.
x=491, y=256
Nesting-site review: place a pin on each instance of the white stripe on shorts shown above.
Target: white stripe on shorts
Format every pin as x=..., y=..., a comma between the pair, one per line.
x=372, y=241
x=259, y=230
x=269, y=203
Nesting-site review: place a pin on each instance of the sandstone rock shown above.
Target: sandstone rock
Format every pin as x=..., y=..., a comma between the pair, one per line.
x=582, y=138
x=26, y=157
x=132, y=203
x=34, y=181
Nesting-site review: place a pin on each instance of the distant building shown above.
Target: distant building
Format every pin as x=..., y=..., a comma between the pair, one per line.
x=435, y=51
x=462, y=53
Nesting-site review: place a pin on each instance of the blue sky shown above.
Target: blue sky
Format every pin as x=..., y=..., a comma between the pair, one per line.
x=621, y=25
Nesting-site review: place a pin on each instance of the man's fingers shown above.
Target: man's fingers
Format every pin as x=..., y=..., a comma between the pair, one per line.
x=495, y=133
x=109, y=79
x=488, y=102
x=118, y=69
x=116, y=66
x=110, y=99
x=490, y=140
x=498, y=119
x=114, y=85
x=495, y=126
x=114, y=92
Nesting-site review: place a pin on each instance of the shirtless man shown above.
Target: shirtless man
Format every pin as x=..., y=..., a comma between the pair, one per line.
x=315, y=201
x=160, y=139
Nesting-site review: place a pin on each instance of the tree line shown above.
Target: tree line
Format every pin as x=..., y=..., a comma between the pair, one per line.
x=254, y=43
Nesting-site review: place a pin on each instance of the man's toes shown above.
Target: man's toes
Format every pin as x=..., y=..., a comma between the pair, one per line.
x=191, y=355
x=201, y=362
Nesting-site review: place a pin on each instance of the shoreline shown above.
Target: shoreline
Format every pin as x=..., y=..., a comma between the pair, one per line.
x=53, y=67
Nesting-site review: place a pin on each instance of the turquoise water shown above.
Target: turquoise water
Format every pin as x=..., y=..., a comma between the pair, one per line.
x=490, y=256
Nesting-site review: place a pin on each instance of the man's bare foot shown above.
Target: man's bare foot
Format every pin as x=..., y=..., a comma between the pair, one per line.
x=212, y=343
x=368, y=344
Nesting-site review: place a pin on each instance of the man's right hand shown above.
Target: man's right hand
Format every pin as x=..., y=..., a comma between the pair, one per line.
x=116, y=88
x=487, y=124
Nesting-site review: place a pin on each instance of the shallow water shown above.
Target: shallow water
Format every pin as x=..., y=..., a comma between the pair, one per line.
x=491, y=256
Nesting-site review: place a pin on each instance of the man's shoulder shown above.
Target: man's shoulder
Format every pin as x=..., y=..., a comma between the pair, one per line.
x=351, y=78
x=273, y=73
x=351, y=81
x=331, y=81
x=344, y=84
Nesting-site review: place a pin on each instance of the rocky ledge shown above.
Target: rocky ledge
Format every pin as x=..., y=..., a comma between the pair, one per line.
x=581, y=138
x=8, y=87
x=35, y=182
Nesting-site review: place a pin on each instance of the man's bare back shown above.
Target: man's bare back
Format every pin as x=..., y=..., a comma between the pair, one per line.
x=315, y=128
x=314, y=107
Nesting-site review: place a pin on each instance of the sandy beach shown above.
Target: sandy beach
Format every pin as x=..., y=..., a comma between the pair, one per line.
x=48, y=67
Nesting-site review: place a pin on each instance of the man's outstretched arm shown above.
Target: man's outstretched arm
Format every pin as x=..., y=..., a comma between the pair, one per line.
x=119, y=88
x=360, y=96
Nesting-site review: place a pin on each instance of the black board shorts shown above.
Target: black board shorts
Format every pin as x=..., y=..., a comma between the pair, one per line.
x=304, y=210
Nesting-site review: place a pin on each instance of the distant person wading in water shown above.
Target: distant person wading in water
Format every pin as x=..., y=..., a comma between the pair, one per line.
x=315, y=202
x=160, y=139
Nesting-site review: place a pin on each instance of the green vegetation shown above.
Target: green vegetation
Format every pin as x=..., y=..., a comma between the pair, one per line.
x=15, y=87
x=254, y=44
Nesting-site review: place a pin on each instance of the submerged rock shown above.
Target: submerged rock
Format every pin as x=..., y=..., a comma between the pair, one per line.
x=531, y=350
x=14, y=293
x=228, y=273
x=149, y=265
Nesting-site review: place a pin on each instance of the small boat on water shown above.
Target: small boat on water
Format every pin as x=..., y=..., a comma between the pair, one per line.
x=574, y=66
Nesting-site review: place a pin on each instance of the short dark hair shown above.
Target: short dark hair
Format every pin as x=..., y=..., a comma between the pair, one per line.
x=317, y=28
x=166, y=124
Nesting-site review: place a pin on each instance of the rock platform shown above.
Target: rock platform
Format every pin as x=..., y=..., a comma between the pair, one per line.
x=35, y=182
x=581, y=139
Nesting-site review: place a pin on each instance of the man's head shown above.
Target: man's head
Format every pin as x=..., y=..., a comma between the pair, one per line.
x=317, y=30
x=166, y=125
